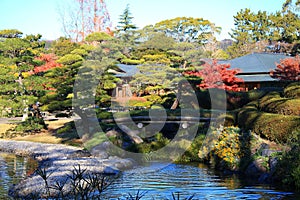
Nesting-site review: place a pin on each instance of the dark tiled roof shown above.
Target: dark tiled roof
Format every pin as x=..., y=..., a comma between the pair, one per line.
x=129, y=70
x=256, y=62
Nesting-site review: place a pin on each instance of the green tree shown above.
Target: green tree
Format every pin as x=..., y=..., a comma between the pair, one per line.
x=17, y=61
x=155, y=77
x=93, y=82
x=188, y=29
x=257, y=31
x=126, y=29
x=158, y=41
x=191, y=53
x=98, y=37
x=63, y=46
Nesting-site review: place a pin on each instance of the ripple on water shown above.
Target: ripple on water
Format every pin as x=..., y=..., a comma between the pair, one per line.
x=188, y=180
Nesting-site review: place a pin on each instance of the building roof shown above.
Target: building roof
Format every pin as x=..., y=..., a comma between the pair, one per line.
x=256, y=78
x=256, y=62
x=256, y=67
x=129, y=70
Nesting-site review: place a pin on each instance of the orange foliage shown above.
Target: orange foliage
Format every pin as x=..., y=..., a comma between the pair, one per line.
x=50, y=62
x=215, y=75
x=287, y=69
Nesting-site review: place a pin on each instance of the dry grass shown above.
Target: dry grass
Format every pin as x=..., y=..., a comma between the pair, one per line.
x=49, y=136
x=5, y=127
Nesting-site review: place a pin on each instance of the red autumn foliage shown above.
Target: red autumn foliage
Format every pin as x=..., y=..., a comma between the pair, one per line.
x=49, y=63
x=215, y=75
x=288, y=69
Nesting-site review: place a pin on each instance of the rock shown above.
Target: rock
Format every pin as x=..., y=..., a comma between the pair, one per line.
x=112, y=133
x=58, y=161
x=267, y=152
x=262, y=147
x=133, y=134
x=100, y=150
x=272, y=164
x=256, y=168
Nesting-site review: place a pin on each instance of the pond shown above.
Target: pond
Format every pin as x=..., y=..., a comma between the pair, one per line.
x=187, y=180
x=13, y=169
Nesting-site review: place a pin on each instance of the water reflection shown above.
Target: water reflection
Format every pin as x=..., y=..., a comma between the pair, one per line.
x=188, y=180
x=12, y=169
x=197, y=180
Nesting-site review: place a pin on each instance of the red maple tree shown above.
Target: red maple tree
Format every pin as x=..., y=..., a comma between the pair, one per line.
x=288, y=69
x=215, y=75
x=49, y=63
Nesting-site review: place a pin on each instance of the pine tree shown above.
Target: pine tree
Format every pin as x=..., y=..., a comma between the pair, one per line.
x=125, y=29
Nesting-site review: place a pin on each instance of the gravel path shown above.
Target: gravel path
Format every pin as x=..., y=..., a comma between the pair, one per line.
x=58, y=160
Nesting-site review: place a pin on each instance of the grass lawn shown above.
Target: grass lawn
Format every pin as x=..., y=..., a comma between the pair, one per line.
x=51, y=136
x=5, y=127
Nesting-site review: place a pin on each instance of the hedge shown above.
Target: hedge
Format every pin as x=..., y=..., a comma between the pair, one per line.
x=268, y=98
x=274, y=127
x=228, y=119
x=283, y=106
x=274, y=103
x=292, y=90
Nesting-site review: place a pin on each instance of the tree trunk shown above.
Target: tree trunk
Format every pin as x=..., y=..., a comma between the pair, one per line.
x=176, y=102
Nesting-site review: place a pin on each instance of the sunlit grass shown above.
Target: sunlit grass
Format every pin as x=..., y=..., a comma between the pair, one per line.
x=5, y=127
x=51, y=136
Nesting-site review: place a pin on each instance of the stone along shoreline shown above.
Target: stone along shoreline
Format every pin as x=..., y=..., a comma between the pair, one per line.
x=58, y=161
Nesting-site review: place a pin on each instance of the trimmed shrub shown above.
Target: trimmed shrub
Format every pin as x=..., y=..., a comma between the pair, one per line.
x=104, y=114
x=292, y=90
x=132, y=62
x=268, y=98
x=274, y=127
x=227, y=119
x=283, y=106
x=154, y=98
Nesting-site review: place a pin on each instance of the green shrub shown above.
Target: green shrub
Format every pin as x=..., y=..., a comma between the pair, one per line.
x=132, y=62
x=135, y=103
x=59, y=105
x=95, y=140
x=104, y=114
x=67, y=128
x=154, y=98
x=268, y=98
x=288, y=169
x=247, y=116
x=30, y=126
x=227, y=119
x=158, y=142
x=292, y=90
x=48, y=98
x=191, y=154
x=283, y=106
x=275, y=127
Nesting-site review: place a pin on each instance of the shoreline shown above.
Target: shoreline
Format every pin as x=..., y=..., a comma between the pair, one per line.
x=58, y=160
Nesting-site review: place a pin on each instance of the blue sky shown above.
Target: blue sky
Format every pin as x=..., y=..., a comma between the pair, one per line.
x=42, y=16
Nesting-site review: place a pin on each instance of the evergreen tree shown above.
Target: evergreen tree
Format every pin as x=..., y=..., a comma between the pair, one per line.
x=126, y=29
x=17, y=61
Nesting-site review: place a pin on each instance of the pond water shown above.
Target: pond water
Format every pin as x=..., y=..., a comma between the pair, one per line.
x=12, y=169
x=187, y=180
